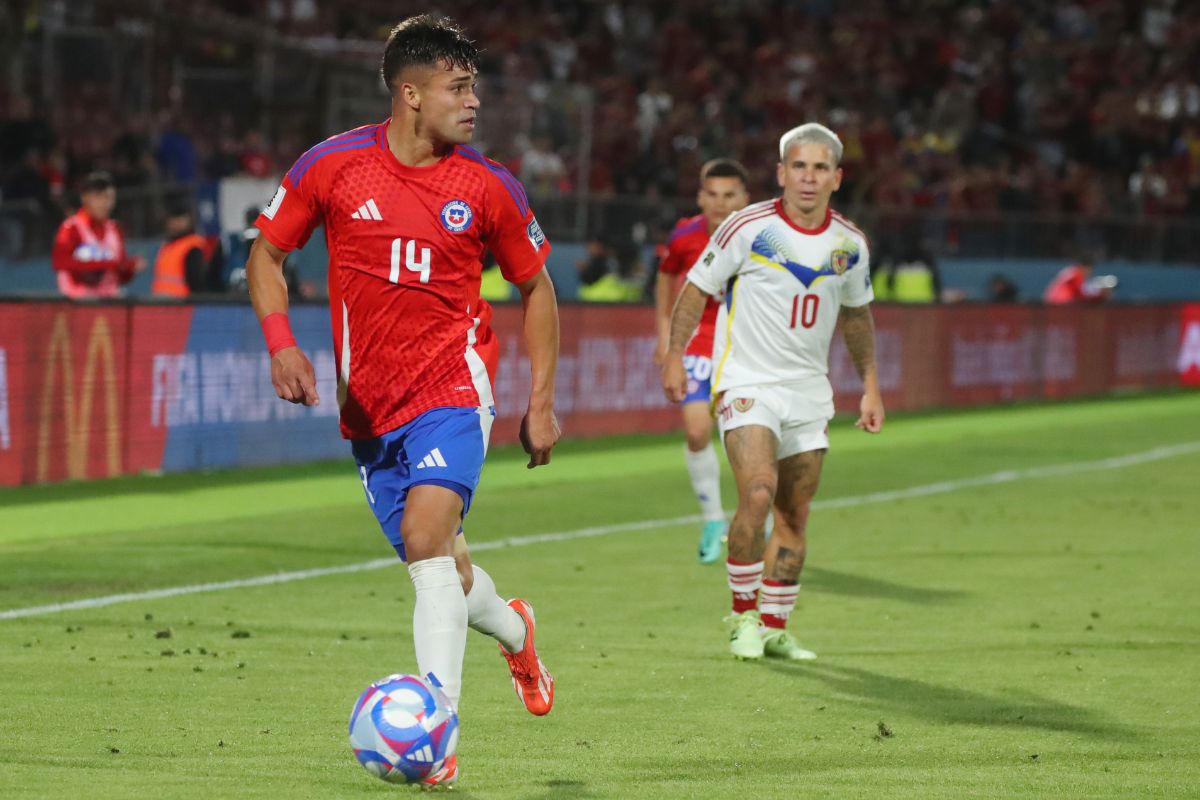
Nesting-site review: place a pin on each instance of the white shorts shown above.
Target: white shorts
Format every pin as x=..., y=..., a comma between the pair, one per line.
x=799, y=424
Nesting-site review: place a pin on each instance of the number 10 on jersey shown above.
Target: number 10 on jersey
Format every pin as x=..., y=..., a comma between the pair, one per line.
x=411, y=261
x=804, y=310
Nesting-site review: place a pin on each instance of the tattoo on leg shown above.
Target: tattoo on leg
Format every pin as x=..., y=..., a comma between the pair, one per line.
x=788, y=563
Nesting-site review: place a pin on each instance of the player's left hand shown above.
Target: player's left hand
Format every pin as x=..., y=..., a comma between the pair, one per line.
x=870, y=418
x=660, y=352
x=539, y=433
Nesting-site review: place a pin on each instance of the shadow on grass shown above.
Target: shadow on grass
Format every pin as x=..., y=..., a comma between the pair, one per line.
x=560, y=789
x=1017, y=708
x=843, y=583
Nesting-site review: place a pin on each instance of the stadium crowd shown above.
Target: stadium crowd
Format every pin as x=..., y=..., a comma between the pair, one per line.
x=1089, y=107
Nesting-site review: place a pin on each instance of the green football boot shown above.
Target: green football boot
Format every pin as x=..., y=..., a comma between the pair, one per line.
x=745, y=635
x=781, y=644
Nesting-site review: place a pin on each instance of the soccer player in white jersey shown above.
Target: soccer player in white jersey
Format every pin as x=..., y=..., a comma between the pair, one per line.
x=791, y=269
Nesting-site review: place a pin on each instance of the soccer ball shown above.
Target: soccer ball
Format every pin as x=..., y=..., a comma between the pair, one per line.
x=403, y=728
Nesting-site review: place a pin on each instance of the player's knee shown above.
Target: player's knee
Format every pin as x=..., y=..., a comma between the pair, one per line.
x=759, y=497
x=420, y=544
x=697, y=440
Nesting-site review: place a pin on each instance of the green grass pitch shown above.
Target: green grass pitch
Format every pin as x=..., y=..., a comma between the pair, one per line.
x=1036, y=634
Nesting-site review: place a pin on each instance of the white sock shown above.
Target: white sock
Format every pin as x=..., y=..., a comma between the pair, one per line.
x=440, y=622
x=487, y=613
x=705, y=472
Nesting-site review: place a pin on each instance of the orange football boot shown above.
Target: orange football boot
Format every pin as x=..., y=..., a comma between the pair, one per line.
x=531, y=679
x=445, y=777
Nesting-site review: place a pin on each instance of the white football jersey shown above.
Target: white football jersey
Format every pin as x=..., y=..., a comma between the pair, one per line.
x=784, y=286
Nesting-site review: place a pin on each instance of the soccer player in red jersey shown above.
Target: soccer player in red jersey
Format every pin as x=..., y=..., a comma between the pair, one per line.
x=1075, y=284
x=723, y=190
x=408, y=208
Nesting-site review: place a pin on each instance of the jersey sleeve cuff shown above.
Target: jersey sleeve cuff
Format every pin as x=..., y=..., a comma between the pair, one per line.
x=274, y=239
x=702, y=284
x=532, y=269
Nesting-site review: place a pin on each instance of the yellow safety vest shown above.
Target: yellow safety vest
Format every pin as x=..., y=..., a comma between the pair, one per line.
x=609, y=289
x=913, y=284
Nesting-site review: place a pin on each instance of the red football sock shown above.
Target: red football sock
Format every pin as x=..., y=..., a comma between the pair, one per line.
x=778, y=600
x=744, y=581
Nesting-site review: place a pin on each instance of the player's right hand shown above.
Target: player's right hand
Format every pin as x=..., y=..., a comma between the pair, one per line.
x=539, y=433
x=674, y=379
x=293, y=377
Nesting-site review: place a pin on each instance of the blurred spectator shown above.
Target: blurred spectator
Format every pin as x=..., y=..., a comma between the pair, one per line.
x=1001, y=289
x=910, y=276
x=185, y=263
x=654, y=103
x=542, y=170
x=235, y=264
x=132, y=159
x=1148, y=187
x=256, y=160
x=89, y=250
x=1075, y=108
x=22, y=131
x=176, y=153
x=601, y=279
x=1076, y=284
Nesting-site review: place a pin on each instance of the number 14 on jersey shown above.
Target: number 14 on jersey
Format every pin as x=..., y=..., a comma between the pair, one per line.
x=412, y=261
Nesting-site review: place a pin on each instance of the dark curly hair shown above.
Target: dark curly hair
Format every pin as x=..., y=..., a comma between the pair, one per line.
x=427, y=40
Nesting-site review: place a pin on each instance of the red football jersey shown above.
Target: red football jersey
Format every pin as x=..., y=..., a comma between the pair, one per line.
x=405, y=254
x=687, y=241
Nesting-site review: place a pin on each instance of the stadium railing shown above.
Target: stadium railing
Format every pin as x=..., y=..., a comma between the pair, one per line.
x=27, y=227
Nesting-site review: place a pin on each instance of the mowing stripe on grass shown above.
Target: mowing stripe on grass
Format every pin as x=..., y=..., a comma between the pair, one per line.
x=942, y=487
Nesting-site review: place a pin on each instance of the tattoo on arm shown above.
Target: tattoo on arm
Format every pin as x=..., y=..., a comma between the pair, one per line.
x=858, y=328
x=688, y=310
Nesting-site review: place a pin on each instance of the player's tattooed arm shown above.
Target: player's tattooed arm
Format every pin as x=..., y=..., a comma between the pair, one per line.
x=858, y=328
x=688, y=310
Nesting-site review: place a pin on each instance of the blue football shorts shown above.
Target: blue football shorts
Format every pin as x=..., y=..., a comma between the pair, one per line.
x=699, y=379
x=442, y=447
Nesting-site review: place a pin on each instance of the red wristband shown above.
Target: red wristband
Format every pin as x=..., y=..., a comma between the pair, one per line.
x=277, y=332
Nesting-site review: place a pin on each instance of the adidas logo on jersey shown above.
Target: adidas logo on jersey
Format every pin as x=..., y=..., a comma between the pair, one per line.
x=434, y=459
x=368, y=210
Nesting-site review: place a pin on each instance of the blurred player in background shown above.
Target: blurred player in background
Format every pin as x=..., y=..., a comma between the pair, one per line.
x=723, y=190
x=791, y=269
x=89, y=248
x=407, y=207
x=1076, y=284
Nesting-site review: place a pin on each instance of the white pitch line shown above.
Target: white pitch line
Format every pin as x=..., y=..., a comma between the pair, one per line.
x=943, y=487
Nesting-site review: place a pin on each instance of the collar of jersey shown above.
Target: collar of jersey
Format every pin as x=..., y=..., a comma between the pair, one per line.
x=809, y=231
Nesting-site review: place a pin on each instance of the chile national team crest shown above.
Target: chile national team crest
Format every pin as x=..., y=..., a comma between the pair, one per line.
x=456, y=216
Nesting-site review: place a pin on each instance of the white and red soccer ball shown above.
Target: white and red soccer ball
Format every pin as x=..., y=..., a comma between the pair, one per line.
x=403, y=728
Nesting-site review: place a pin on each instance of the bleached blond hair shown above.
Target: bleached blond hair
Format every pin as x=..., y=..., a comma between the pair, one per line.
x=813, y=133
